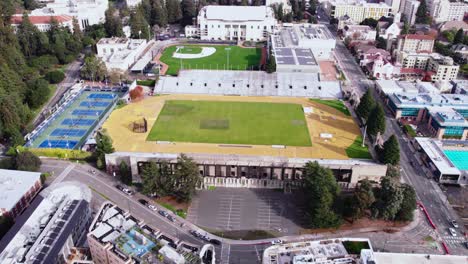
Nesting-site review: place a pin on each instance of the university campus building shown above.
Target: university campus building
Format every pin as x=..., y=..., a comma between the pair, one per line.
x=245, y=171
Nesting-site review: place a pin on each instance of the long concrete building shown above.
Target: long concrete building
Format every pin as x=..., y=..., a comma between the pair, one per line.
x=253, y=171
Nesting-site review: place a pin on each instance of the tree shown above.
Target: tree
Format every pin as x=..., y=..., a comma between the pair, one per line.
x=364, y=197
x=37, y=93
x=280, y=12
x=6, y=222
x=117, y=76
x=389, y=199
x=271, y=64
x=393, y=172
x=376, y=121
x=321, y=191
x=113, y=24
x=186, y=177
x=93, y=69
x=27, y=161
x=188, y=12
x=408, y=205
x=422, y=14
x=174, y=13
x=366, y=105
x=371, y=22
x=149, y=173
x=139, y=27
x=391, y=151
x=125, y=173
x=137, y=93
x=381, y=43
x=54, y=77
x=449, y=35
x=459, y=37
x=159, y=14
x=103, y=147
x=405, y=29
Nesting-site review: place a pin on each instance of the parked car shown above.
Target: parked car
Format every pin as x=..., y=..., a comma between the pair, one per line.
x=277, y=242
x=127, y=191
x=215, y=242
x=453, y=232
x=466, y=244
x=152, y=207
x=163, y=213
x=120, y=187
x=454, y=223
x=143, y=202
x=171, y=218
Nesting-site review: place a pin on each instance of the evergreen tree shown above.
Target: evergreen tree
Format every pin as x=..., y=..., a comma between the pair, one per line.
x=376, y=121
x=27, y=161
x=38, y=92
x=125, y=173
x=321, y=191
x=113, y=24
x=28, y=37
x=366, y=105
x=77, y=33
x=186, y=177
x=188, y=12
x=405, y=29
x=390, y=198
x=6, y=223
x=174, y=13
x=159, y=14
x=422, y=13
x=103, y=147
x=459, y=37
x=408, y=205
x=391, y=151
x=93, y=69
x=364, y=197
x=149, y=173
x=139, y=27
x=271, y=64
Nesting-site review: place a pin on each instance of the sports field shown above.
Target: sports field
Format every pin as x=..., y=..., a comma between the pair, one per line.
x=340, y=130
x=252, y=123
x=239, y=58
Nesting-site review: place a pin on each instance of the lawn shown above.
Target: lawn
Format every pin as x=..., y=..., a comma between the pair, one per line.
x=337, y=104
x=239, y=58
x=356, y=151
x=231, y=123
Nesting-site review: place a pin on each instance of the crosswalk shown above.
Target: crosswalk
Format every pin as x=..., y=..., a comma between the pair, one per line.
x=455, y=242
x=225, y=252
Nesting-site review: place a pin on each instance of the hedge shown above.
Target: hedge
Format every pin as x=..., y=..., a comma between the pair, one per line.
x=54, y=77
x=149, y=83
x=61, y=153
x=409, y=130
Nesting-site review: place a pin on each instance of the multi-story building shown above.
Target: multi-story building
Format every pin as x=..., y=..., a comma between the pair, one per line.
x=87, y=12
x=233, y=23
x=445, y=10
x=120, y=53
x=356, y=10
x=438, y=67
x=415, y=43
x=395, y=5
x=17, y=189
x=54, y=223
x=359, y=32
x=285, y=4
x=43, y=22
x=299, y=47
x=117, y=237
x=409, y=10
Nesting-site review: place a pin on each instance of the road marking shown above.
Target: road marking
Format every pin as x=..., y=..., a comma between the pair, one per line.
x=225, y=250
x=63, y=174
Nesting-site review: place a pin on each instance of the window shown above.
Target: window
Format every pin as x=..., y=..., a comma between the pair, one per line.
x=191, y=84
x=290, y=86
x=205, y=84
x=305, y=87
x=219, y=84
x=410, y=112
x=233, y=85
x=248, y=85
x=454, y=131
x=261, y=86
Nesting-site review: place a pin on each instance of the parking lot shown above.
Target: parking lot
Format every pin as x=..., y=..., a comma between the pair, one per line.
x=247, y=209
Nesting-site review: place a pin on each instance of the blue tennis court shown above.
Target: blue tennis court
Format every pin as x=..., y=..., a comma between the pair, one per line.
x=67, y=144
x=60, y=132
x=101, y=96
x=78, y=122
x=81, y=112
x=94, y=104
x=459, y=158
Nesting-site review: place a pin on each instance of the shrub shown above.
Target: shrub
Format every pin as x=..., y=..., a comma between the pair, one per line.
x=149, y=83
x=54, y=77
x=409, y=130
x=61, y=153
x=137, y=93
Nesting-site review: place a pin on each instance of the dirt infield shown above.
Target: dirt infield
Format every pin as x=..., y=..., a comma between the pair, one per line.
x=322, y=119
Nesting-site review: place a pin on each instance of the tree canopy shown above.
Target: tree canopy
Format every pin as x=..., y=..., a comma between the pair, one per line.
x=422, y=15
x=376, y=121
x=27, y=161
x=366, y=105
x=93, y=69
x=391, y=151
x=103, y=147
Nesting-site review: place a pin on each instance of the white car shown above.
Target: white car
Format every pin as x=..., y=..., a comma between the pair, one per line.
x=277, y=242
x=152, y=207
x=453, y=232
x=454, y=223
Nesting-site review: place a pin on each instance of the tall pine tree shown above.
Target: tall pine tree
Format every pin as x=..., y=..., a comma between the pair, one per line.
x=366, y=105
x=376, y=121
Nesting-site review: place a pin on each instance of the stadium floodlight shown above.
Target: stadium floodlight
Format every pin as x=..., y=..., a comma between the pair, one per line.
x=180, y=59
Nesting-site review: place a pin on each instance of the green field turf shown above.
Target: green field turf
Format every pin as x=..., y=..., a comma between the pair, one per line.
x=239, y=58
x=231, y=123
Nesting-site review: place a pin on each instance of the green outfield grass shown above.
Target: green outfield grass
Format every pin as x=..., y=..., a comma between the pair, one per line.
x=239, y=58
x=231, y=123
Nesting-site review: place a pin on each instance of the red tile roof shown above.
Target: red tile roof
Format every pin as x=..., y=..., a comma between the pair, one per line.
x=16, y=20
x=417, y=36
x=412, y=70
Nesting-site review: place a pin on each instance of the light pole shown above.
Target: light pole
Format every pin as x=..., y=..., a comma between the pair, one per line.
x=227, y=49
x=180, y=59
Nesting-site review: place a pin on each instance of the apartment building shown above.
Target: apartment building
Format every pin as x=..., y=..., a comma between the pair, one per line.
x=415, y=43
x=233, y=23
x=53, y=225
x=43, y=22
x=437, y=66
x=87, y=12
x=409, y=10
x=356, y=10
x=17, y=190
x=117, y=237
x=445, y=10
x=395, y=5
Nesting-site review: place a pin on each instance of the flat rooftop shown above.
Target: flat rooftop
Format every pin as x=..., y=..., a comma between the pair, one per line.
x=447, y=117
x=237, y=13
x=321, y=119
x=434, y=150
x=14, y=184
x=422, y=100
x=398, y=258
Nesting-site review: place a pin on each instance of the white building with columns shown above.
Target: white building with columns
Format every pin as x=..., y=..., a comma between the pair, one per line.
x=234, y=23
x=87, y=12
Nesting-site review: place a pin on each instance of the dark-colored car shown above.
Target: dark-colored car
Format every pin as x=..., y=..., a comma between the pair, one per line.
x=143, y=202
x=215, y=242
x=163, y=213
x=171, y=218
x=120, y=187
